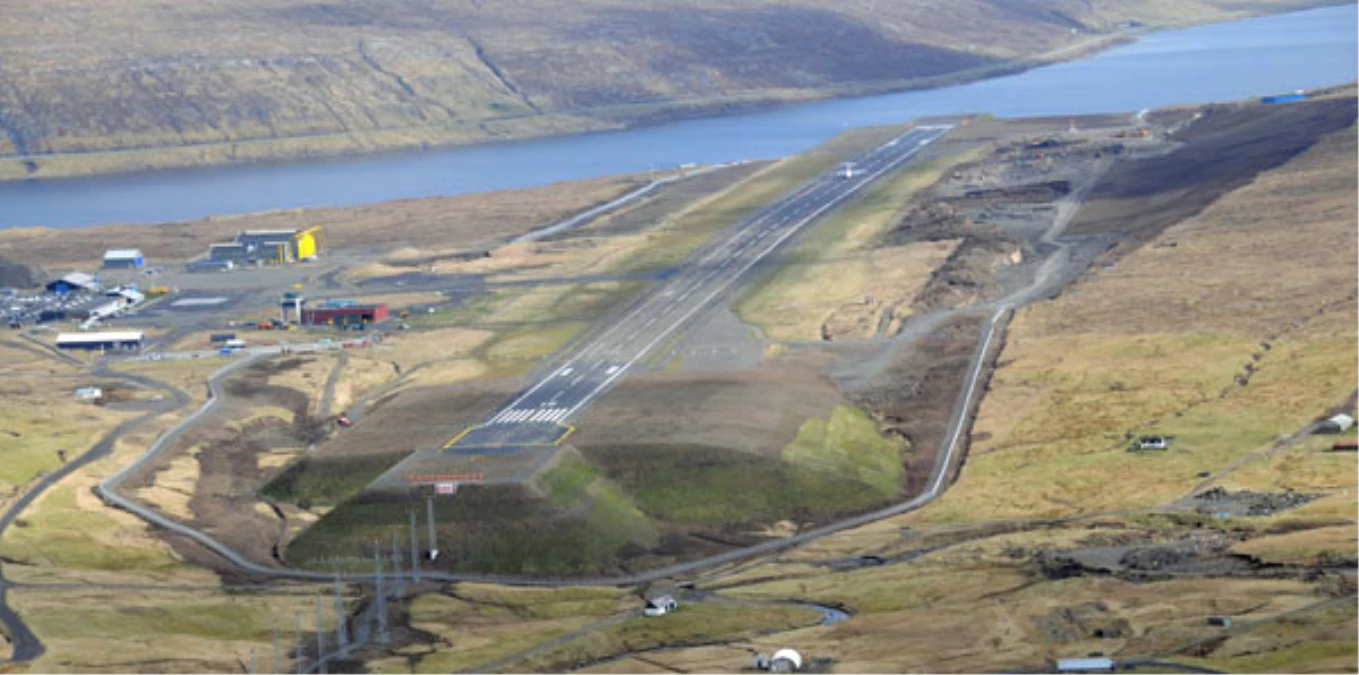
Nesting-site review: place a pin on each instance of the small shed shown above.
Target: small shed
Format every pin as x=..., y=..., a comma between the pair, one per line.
x=90, y=393
x=124, y=259
x=660, y=605
x=1335, y=424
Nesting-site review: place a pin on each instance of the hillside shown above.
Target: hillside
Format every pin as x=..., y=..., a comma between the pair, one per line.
x=92, y=87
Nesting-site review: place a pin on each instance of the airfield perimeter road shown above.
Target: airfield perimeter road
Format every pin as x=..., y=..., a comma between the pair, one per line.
x=536, y=413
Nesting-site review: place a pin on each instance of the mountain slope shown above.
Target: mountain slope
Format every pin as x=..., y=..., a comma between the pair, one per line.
x=88, y=87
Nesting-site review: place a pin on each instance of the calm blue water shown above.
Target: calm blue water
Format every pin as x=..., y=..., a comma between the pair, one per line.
x=1209, y=63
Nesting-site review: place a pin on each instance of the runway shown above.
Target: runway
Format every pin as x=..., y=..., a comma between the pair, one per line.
x=541, y=413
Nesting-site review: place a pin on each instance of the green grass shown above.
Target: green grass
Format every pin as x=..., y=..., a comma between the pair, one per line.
x=690, y=624
x=526, y=346
x=714, y=486
x=57, y=532
x=544, y=603
x=327, y=482
x=222, y=619
x=674, y=241
x=469, y=312
x=848, y=445
x=579, y=524
x=852, y=229
x=541, y=304
x=894, y=588
x=608, y=512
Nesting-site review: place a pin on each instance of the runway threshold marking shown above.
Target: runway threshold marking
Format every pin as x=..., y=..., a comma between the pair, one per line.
x=569, y=430
x=460, y=435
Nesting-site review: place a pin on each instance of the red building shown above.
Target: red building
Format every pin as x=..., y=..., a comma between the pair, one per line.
x=351, y=315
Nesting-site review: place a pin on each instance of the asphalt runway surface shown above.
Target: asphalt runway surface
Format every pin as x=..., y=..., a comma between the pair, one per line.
x=540, y=413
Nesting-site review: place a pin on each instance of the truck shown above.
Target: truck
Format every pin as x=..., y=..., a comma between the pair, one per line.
x=234, y=343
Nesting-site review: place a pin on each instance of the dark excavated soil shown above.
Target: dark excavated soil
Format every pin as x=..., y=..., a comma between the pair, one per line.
x=1223, y=151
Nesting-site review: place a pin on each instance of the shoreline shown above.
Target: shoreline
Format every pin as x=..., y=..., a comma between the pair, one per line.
x=394, y=142
x=305, y=188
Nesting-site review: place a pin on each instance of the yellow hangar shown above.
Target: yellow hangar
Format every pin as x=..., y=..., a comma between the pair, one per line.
x=269, y=247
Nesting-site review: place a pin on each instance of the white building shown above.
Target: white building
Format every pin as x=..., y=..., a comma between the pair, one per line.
x=124, y=259
x=110, y=341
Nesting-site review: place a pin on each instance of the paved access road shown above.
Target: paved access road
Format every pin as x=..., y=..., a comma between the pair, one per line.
x=539, y=410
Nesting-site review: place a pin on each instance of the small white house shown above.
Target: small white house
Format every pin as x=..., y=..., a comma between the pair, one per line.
x=660, y=605
x=1335, y=424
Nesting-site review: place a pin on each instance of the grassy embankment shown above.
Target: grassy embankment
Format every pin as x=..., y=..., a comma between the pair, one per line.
x=835, y=465
x=568, y=521
x=840, y=262
x=613, y=505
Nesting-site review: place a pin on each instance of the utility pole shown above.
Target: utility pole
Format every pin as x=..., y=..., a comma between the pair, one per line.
x=398, y=583
x=415, y=551
x=297, y=639
x=429, y=517
x=383, y=637
x=278, y=654
x=252, y=661
x=341, y=629
x=320, y=638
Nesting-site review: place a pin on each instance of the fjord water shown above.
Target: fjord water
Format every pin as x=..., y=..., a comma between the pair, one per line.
x=1217, y=62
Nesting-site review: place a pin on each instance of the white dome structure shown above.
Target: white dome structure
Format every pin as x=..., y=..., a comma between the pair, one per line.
x=792, y=661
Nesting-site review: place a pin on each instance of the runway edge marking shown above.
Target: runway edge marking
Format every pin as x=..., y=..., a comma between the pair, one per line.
x=457, y=438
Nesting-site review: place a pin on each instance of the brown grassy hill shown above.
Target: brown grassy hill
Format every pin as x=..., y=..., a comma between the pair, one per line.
x=88, y=87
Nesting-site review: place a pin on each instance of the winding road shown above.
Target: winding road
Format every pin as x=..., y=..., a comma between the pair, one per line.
x=26, y=646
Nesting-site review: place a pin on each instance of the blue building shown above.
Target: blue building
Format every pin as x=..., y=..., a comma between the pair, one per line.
x=75, y=282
